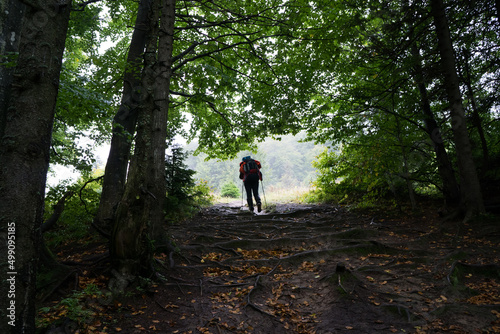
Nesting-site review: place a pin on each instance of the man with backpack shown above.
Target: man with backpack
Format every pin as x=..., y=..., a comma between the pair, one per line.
x=250, y=174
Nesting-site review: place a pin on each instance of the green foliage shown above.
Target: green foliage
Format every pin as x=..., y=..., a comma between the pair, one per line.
x=319, y=196
x=178, y=177
x=9, y=60
x=236, y=82
x=79, y=209
x=73, y=308
x=84, y=106
x=343, y=71
x=202, y=194
x=229, y=189
x=184, y=195
x=357, y=174
x=369, y=104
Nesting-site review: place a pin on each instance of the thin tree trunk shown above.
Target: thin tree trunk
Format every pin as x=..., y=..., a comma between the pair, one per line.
x=470, y=187
x=139, y=217
x=24, y=158
x=476, y=118
x=58, y=210
x=406, y=170
x=124, y=122
x=451, y=190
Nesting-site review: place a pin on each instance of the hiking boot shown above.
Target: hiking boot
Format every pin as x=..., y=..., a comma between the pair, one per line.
x=251, y=209
x=259, y=207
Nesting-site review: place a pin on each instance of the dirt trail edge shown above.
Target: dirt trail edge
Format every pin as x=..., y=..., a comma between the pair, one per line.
x=321, y=269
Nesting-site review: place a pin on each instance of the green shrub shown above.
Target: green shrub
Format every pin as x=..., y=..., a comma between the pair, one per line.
x=359, y=175
x=229, y=189
x=77, y=308
x=184, y=195
x=202, y=193
x=79, y=209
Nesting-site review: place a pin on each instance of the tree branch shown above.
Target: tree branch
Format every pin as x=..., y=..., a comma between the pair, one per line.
x=201, y=55
x=83, y=187
x=58, y=210
x=185, y=52
x=214, y=109
x=84, y=4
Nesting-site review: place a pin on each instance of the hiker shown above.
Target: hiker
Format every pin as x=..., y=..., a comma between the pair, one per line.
x=250, y=174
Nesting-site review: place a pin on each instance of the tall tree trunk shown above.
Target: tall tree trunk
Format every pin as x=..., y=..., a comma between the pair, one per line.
x=476, y=118
x=160, y=112
x=469, y=181
x=24, y=158
x=451, y=190
x=406, y=171
x=139, y=216
x=11, y=17
x=124, y=122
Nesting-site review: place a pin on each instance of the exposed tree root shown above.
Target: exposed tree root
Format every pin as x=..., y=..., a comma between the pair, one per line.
x=459, y=268
x=54, y=285
x=320, y=271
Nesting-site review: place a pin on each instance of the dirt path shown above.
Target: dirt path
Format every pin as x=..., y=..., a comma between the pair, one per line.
x=321, y=269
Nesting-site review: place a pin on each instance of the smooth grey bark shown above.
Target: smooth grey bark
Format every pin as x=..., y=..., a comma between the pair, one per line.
x=24, y=158
x=469, y=180
x=124, y=122
x=139, y=217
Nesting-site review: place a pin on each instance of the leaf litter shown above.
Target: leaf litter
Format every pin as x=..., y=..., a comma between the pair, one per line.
x=310, y=269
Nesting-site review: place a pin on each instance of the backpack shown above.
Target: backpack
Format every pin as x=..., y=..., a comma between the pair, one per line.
x=251, y=167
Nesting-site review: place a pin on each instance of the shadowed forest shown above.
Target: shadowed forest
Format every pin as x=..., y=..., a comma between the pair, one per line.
x=376, y=123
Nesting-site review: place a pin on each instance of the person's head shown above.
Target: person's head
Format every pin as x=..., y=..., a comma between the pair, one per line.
x=245, y=159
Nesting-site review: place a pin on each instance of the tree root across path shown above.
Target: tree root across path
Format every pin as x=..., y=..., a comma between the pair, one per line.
x=319, y=269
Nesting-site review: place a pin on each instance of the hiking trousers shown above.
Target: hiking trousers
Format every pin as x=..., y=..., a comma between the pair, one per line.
x=252, y=186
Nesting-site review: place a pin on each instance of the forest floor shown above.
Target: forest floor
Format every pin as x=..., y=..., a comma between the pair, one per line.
x=309, y=269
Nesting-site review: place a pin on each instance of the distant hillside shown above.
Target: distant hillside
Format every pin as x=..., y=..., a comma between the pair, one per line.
x=286, y=163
